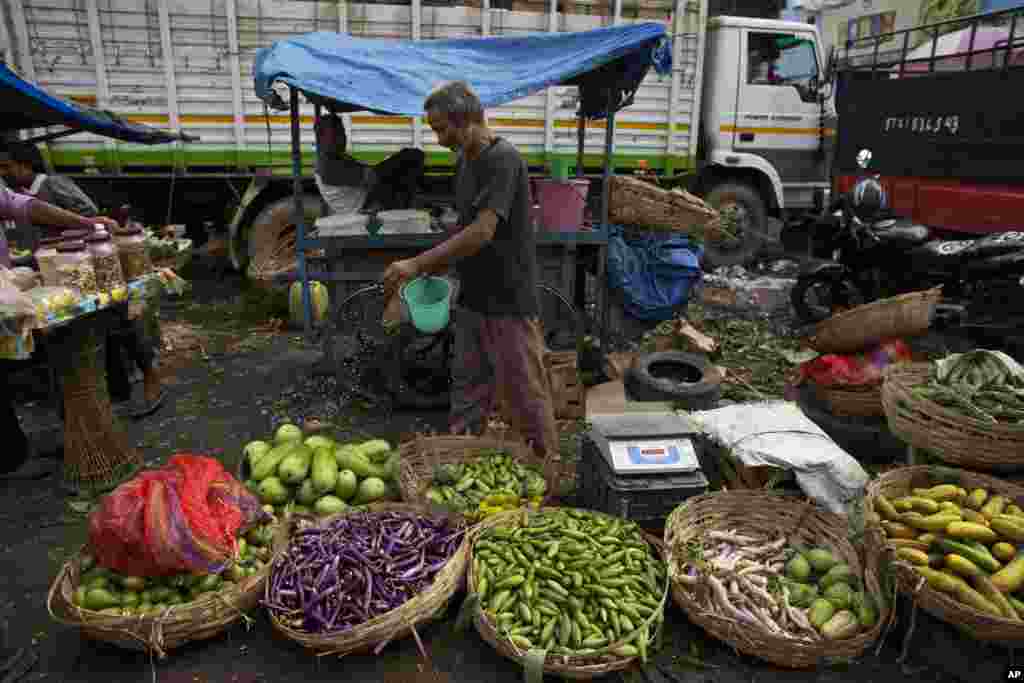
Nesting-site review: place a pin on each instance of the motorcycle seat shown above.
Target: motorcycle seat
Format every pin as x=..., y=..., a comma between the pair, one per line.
x=1001, y=264
x=901, y=232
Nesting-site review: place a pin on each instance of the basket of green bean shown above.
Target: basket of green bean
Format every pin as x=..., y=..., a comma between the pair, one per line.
x=567, y=592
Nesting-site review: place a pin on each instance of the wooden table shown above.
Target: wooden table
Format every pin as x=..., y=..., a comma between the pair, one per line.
x=97, y=452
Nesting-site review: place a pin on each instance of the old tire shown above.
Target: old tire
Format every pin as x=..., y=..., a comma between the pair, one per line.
x=751, y=228
x=271, y=227
x=684, y=378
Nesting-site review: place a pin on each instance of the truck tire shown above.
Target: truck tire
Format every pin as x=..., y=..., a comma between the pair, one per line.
x=270, y=228
x=685, y=378
x=752, y=220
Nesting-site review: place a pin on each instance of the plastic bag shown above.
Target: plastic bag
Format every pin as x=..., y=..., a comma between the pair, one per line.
x=17, y=320
x=655, y=273
x=26, y=278
x=54, y=303
x=341, y=199
x=184, y=517
x=857, y=369
x=17, y=311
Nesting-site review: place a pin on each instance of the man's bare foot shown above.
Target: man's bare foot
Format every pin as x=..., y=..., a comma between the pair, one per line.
x=151, y=387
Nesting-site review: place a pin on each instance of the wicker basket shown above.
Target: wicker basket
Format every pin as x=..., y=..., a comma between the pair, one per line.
x=951, y=436
x=575, y=668
x=640, y=203
x=898, y=483
x=201, y=619
x=772, y=515
x=422, y=454
x=851, y=401
x=568, y=394
x=397, y=623
x=907, y=315
x=562, y=470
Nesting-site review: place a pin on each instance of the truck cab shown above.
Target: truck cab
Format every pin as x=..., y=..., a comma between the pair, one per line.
x=766, y=123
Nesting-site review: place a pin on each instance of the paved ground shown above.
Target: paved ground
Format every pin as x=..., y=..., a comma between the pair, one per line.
x=224, y=395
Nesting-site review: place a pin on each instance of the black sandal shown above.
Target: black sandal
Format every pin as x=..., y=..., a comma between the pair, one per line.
x=32, y=469
x=147, y=409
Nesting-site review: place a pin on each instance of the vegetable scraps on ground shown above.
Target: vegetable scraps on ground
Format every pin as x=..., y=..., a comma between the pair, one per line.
x=986, y=385
x=358, y=566
x=319, y=476
x=492, y=482
x=109, y=592
x=572, y=583
x=964, y=544
x=793, y=592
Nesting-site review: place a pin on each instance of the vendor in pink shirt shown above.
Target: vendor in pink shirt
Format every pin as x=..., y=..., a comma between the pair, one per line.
x=23, y=209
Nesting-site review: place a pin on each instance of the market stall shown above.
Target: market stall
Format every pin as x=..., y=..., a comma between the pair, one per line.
x=89, y=286
x=332, y=69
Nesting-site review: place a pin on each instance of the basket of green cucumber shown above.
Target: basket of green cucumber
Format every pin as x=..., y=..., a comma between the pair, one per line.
x=158, y=614
x=966, y=409
x=956, y=542
x=774, y=578
x=473, y=475
x=315, y=475
x=566, y=592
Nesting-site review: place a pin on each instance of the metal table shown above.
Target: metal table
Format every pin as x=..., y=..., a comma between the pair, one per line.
x=353, y=261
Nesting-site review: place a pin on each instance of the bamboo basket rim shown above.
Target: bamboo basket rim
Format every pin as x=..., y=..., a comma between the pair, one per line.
x=172, y=628
x=979, y=625
x=851, y=401
x=392, y=625
x=741, y=510
x=577, y=668
x=823, y=338
x=634, y=201
x=419, y=451
x=906, y=376
x=954, y=437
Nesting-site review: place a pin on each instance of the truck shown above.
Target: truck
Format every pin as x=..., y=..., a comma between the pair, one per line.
x=744, y=120
x=948, y=162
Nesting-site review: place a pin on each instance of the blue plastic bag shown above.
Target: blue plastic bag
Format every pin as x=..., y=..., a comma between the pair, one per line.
x=655, y=273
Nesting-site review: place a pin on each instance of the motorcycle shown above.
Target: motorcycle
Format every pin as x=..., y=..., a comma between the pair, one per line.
x=877, y=254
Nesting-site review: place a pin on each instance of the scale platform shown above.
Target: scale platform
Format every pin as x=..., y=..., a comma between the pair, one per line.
x=640, y=466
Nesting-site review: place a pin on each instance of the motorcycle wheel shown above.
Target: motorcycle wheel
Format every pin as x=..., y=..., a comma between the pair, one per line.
x=818, y=297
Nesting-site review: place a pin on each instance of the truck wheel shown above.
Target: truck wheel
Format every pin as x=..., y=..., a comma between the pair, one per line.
x=271, y=237
x=748, y=224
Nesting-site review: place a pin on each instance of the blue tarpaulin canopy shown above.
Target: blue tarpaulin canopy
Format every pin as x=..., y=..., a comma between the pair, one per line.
x=24, y=106
x=396, y=76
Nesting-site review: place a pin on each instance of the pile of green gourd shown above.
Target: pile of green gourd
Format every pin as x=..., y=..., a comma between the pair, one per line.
x=108, y=592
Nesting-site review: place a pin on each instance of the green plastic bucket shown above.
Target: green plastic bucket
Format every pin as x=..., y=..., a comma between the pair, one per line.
x=560, y=169
x=428, y=300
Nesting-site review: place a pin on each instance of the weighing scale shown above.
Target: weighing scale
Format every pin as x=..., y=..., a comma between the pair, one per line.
x=640, y=466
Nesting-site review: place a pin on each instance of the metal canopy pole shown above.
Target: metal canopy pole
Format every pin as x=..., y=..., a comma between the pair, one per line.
x=609, y=137
x=581, y=136
x=300, y=218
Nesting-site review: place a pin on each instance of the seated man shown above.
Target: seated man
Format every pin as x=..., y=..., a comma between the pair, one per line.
x=21, y=167
x=391, y=184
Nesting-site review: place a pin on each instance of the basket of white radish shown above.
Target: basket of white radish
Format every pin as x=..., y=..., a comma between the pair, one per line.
x=773, y=577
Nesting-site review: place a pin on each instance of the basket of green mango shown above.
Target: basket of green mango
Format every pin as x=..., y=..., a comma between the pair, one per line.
x=158, y=614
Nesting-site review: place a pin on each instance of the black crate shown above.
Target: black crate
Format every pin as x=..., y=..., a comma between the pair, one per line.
x=645, y=498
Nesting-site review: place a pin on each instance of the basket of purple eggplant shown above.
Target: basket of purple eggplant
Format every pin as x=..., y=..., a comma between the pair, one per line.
x=356, y=581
